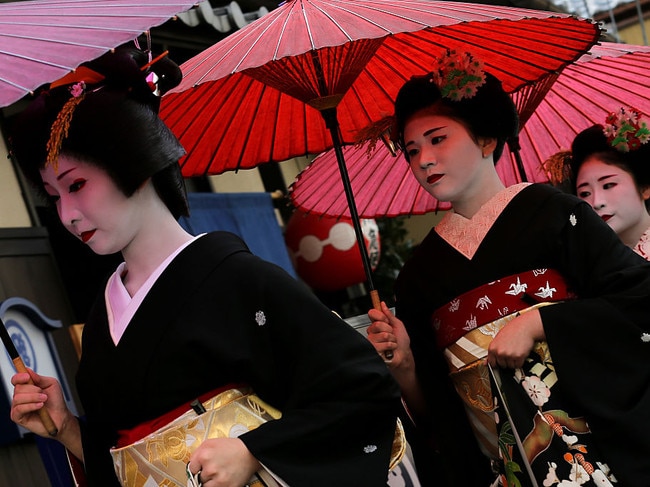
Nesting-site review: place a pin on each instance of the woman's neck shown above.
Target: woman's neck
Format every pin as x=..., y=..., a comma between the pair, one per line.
x=631, y=236
x=478, y=194
x=158, y=237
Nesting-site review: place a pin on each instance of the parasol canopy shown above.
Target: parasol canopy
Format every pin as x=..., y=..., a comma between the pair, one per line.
x=43, y=40
x=311, y=74
x=257, y=95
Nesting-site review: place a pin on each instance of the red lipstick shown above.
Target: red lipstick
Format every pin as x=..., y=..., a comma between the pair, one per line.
x=85, y=236
x=434, y=178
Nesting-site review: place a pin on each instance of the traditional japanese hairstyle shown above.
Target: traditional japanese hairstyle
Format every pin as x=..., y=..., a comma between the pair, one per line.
x=106, y=114
x=459, y=88
x=621, y=141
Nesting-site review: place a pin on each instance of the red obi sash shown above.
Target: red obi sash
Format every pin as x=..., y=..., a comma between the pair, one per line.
x=494, y=300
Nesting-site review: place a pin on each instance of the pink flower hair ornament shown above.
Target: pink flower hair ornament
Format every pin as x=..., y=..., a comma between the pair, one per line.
x=78, y=89
x=625, y=130
x=458, y=75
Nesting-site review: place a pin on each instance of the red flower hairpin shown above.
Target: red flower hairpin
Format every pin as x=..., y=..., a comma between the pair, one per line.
x=625, y=130
x=458, y=75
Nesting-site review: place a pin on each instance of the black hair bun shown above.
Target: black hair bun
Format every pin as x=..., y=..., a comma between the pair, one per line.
x=126, y=69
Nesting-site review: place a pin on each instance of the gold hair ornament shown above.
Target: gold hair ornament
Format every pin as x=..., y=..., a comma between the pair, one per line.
x=61, y=125
x=378, y=131
x=80, y=79
x=625, y=131
x=558, y=167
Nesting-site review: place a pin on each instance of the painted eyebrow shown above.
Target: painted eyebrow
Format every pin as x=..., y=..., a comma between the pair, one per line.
x=600, y=179
x=60, y=176
x=427, y=133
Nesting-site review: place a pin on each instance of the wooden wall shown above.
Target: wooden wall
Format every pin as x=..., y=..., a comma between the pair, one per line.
x=28, y=270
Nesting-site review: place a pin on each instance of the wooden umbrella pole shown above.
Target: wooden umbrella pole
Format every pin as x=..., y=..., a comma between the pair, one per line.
x=46, y=419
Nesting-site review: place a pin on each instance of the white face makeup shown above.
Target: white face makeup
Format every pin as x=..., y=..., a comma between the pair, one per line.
x=90, y=205
x=444, y=157
x=612, y=193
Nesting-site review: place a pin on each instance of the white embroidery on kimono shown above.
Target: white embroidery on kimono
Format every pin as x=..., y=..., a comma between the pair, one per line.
x=539, y=272
x=538, y=392
x=454, y=305
x=551, y=476
x=645, y=337
x=470, y=324
x=490, y=330
x=573, y=220
x=578, y=476
x=546, y=292
x=569, y=439
x=606, y=476
x=260, y=318
x=369, y=448
x=517, y=288
x=484, y=302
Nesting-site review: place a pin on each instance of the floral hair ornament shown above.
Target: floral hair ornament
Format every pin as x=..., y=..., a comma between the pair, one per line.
x=625, y=130
x=458, y=75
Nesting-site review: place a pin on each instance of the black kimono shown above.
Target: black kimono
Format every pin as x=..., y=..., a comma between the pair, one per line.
x=218, y=315
x=600, y=342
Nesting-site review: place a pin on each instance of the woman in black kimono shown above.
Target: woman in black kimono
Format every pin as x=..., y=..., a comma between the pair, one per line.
x=508, y=275
x=185, y=315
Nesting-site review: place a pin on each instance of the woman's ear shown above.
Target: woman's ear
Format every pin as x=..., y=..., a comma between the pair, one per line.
x=645, y=193
x=487, y=145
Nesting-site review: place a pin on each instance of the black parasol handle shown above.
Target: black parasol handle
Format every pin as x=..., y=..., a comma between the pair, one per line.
x=332, y=124
x=46, y=419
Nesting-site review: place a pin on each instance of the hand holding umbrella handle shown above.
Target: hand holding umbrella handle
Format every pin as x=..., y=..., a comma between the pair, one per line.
x=46, y=419
x=376, y=303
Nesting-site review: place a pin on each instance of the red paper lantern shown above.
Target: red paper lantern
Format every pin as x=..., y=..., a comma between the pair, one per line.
x=325, y=252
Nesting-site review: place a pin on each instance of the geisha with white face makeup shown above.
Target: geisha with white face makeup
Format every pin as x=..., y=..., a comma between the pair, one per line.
x=185, y=316
x=615, y=179
x=507, y=309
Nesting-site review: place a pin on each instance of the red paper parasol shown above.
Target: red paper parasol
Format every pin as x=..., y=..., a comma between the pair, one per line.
x=612, y=75
x=43, y=40
x=309, y=75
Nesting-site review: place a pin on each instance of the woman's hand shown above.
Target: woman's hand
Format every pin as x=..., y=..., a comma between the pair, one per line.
x=387, y=333
x=223, y=462
x=33, y=392
x=513, y=343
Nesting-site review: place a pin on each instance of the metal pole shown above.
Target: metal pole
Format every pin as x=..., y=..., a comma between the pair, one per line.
x=641, y=22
